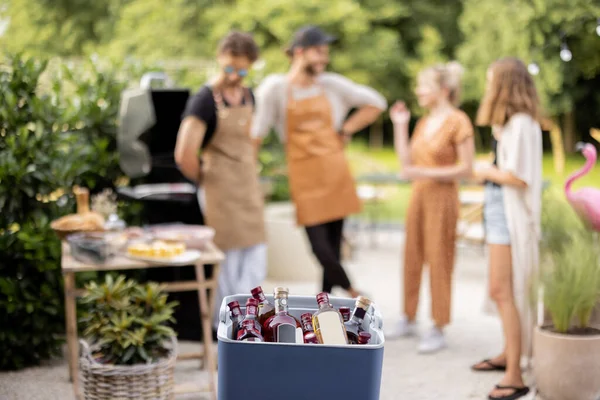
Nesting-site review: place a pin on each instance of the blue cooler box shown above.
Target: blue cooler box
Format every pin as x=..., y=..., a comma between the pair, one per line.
x=282, y=371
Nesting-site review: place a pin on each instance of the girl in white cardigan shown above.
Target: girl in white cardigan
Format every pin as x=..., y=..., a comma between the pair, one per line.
x=512, y=213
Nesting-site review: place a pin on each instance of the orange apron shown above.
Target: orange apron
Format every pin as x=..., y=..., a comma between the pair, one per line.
x=321, y=185
x=234, y=198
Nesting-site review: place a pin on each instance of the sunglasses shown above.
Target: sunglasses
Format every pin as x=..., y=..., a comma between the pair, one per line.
x=240, y=72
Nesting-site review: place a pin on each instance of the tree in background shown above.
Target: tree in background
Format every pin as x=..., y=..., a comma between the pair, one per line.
x=58, y=27
x=531, y=30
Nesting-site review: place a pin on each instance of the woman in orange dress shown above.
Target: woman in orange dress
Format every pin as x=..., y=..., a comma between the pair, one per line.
x=440, y=153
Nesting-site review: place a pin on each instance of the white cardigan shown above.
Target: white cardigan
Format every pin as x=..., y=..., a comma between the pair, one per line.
x=520, y=153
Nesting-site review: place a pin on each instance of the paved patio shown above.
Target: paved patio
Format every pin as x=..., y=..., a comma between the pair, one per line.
x=406, y=375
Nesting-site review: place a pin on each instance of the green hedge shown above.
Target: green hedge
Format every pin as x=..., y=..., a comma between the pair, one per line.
x=57, y=129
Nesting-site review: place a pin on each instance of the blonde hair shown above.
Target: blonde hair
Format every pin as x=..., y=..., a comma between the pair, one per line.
x=448, y=76
x=510, y=91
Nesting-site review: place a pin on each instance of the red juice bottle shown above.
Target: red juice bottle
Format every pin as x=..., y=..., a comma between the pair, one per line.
x=248, y=333
x=235, y=313
x=345, y=311
x=251, y=314
x=309, y=333
x=282, y=327
x=265, y=309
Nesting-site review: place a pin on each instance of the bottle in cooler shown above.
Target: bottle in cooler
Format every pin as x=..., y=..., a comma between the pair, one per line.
x=235, y=313
x=282, y=327
x=346, y=313
x=265, y=308
x=328, y=323
x=309, y=333
x=364, y=337
x=355, y=325
x=251, y=314
x=248, y=332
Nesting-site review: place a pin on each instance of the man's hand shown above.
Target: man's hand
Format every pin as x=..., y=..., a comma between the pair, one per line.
x=189, y=140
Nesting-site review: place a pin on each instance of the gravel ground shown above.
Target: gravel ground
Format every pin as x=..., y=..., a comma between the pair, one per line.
x=406, y=375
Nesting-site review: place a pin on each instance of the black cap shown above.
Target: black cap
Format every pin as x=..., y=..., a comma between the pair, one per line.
x=309, y=36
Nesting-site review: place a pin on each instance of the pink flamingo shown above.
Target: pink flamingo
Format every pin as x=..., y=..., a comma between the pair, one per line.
x=585, y=201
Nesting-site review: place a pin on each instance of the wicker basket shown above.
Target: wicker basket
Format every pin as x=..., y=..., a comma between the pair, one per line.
x=123, y=382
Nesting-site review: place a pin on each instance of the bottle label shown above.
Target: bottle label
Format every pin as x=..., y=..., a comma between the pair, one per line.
x=299, y=335
x=286, y=333
x=331, y=328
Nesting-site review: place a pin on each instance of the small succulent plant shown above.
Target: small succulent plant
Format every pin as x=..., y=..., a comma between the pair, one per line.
x=126, y=322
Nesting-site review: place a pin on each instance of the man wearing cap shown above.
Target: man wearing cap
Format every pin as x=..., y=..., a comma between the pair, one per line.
x=308, y=109
x=217, y=124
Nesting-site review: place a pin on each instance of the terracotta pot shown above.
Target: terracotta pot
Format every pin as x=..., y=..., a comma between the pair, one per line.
x=566, y=367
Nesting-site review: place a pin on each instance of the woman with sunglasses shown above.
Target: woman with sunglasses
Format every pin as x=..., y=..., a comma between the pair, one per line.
x=217, y=124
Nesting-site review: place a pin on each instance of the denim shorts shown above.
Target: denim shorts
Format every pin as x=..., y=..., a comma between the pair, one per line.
x=496, y=226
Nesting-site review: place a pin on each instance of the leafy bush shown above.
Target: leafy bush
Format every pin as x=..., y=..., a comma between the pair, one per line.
x=55, y=131
x=36, y=160
x=570, y=272
x=127, y=322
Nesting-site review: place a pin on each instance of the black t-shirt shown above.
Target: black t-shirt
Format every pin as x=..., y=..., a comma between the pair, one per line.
x=202, y=106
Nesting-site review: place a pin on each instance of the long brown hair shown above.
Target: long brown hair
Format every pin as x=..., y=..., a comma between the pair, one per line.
x=510, y=91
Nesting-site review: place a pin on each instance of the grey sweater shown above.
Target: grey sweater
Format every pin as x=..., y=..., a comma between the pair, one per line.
x=343, y=94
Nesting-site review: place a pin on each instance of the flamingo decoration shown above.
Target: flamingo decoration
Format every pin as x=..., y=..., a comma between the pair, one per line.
x=585, y=201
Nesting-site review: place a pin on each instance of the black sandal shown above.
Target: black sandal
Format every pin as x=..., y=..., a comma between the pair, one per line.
x=492, y=367
x=519, y=392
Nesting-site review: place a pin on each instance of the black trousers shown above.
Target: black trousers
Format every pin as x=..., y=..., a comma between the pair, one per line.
x=326, y=242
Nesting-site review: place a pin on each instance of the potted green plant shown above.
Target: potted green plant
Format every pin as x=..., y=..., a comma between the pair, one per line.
x=566, y=350
x=129, y=351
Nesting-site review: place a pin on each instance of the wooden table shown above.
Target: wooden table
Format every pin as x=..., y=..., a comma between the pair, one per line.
x=210, y=255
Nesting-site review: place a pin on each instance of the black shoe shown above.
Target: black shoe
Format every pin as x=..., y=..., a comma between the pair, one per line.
x=517, y=394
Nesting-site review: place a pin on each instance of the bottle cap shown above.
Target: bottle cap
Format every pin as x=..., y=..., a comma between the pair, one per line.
x=252, y=302
x=256, y=292
x=281, y=292
x=345, y=311
x=364, y=337
x=233, y=304
x=322, y=298
x=363, y=302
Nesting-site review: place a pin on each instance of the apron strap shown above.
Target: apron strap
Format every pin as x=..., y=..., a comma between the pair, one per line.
x=290, y=88
x=222, y=107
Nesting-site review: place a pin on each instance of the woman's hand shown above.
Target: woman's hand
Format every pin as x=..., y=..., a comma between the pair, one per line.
x=482, y=172
x=409, y=173
x=399, y=114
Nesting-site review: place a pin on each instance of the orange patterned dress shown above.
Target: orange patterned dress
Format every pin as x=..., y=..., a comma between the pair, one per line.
x=432, y=216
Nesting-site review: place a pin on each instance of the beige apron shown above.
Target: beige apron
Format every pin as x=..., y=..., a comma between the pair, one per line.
x=234, y=199
x=321, y=185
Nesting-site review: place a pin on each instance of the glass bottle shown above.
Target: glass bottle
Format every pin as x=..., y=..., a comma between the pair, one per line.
x=265, y=308
x=354, y=325
x=364, y=337
x=328, y=322
x=345, y=311
x=251, y=314
x=309, y=333
x=282, y=327
x=248, y=333
x=235, y=313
